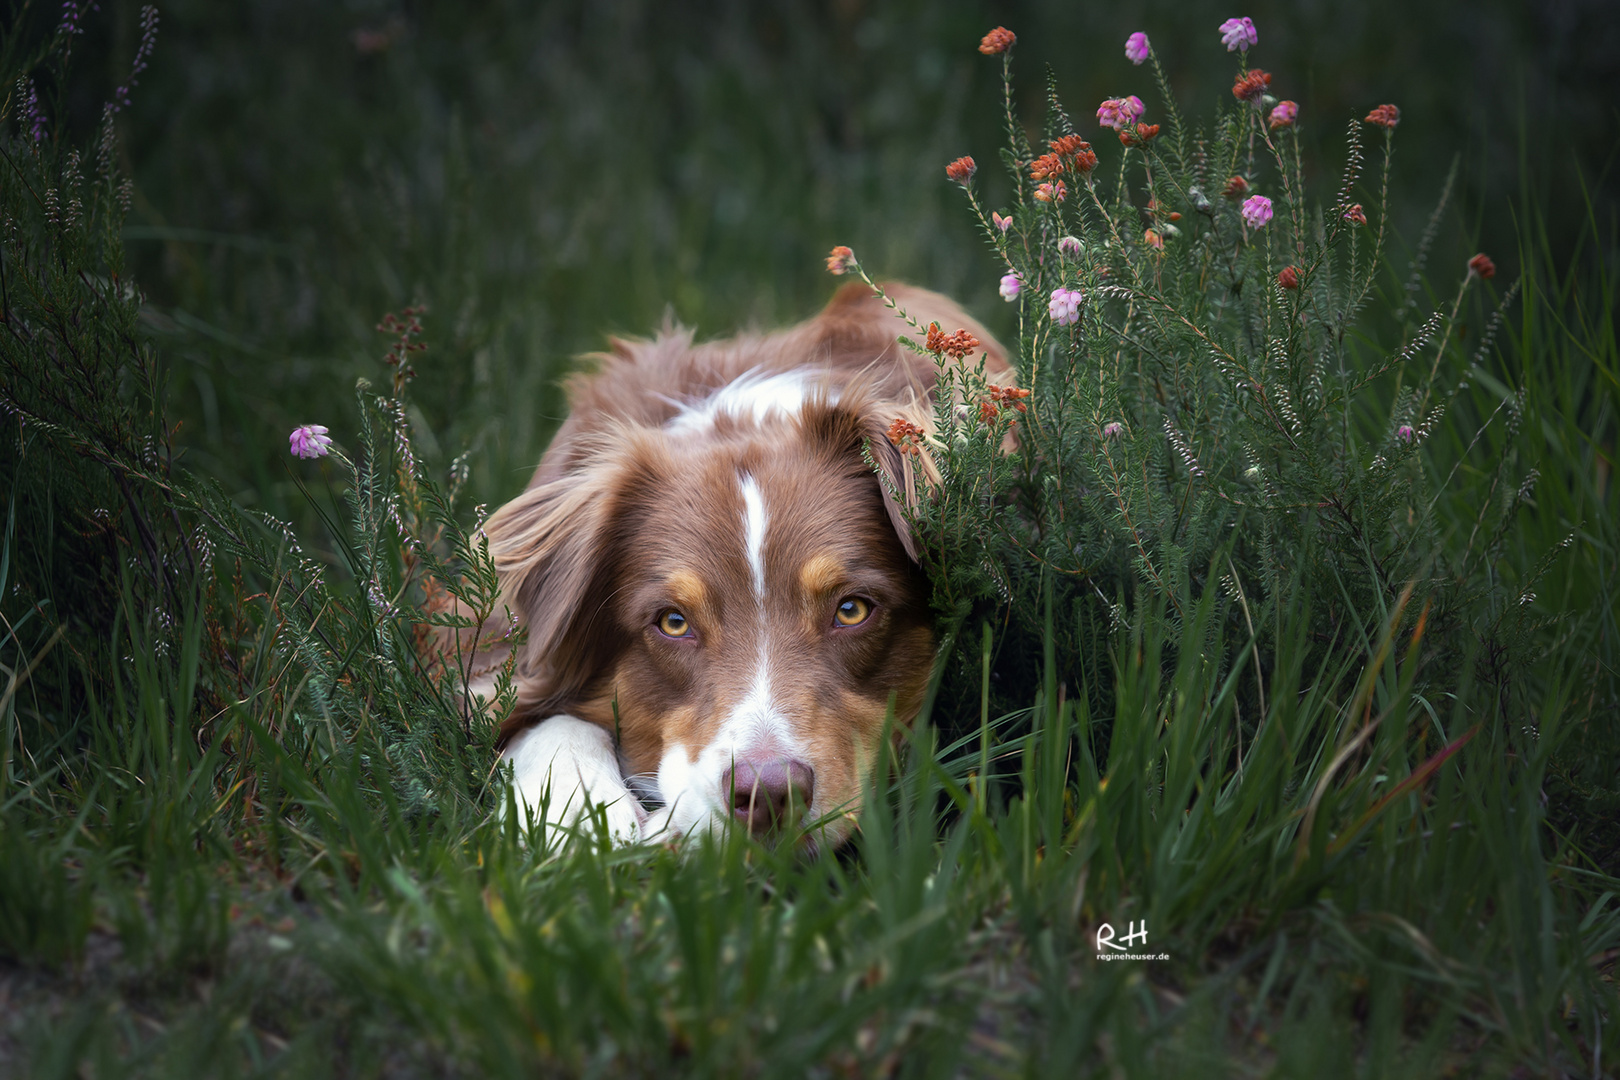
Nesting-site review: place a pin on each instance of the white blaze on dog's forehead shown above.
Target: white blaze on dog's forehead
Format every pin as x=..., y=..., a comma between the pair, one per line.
x=754, y=533
x=753, y=394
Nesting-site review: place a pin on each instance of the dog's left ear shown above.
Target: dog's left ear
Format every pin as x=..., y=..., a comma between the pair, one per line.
x=860, y=426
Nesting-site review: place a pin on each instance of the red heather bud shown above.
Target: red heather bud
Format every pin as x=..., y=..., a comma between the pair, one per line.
x=1289, y=278
x=1385, y=116
x=961, y=170
x=1236, y=188
x=997, y=41
x=1481, y=264
x=1252, y=86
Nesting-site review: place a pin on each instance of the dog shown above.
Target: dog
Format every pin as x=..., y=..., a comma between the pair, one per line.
x=723, y=598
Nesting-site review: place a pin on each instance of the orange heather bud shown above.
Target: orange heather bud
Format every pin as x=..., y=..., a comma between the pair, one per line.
x=1010, y=395
x=997, y=41
x=961, y=170
x=1289, y=278
x=988, y=411
x=1252, y=86
x=1153, y=240
x=906, y=435
x=935, y=342
x=1236, y=188
x=1070, y=145
x=1154, y=209
x=960, y=344
x=1136, y=136
x=1053, y=192
x=1046, y=167
x=1481, y=264
x=1385, y=116
x=840, y=260
x=1356, y=215
x=1085, y=160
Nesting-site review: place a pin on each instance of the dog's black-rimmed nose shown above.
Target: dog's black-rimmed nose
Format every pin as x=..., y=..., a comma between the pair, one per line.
x=769, y=795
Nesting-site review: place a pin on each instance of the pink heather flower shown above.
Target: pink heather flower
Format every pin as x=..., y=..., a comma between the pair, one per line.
x=1137, y=48
x=1011, y=286
x=841, y=260
x=1069, y=246
x=1257, y=211
x=1002, y=223
x=1113, y=429
x=1120, y=113
x=1065, y=306
x=1239, y=34
x=309, y=441
x=1405, y=433
x=1284, y=114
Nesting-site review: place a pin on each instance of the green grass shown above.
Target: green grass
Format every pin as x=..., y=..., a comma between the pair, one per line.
x=1391, y=871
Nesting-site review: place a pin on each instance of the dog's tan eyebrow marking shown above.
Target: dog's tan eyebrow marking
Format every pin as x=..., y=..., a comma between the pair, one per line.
x=821, y=573
x=686, y=588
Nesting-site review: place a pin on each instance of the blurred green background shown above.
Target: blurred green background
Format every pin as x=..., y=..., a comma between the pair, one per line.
x=542, y=174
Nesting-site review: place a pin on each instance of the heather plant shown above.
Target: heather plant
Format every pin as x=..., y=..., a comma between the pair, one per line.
x=1215, y=393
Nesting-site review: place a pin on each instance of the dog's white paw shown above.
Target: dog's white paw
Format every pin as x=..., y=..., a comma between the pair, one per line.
x=565, y=770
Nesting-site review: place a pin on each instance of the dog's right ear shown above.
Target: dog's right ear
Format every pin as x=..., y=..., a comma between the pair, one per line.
x=553, y=548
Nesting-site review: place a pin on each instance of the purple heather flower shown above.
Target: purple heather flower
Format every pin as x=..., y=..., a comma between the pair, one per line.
x=1137, y=48
x=1405, y=433
x=1001, y=223
x=34, y=116
x=1239, y=34
x=1011, y=286
x=1065, y=306
x=1069, y=246
x=143, y=53
x=1113, y=429
x=1256, y=211
x=309, y=441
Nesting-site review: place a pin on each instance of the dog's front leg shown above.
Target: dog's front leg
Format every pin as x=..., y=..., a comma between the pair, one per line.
x=575, y=762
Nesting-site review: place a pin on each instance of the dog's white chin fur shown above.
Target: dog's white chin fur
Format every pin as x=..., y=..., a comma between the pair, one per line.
x=564, y=770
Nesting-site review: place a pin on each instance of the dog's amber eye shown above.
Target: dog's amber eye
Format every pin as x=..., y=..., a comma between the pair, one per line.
x=674, y=624
x=852, y=611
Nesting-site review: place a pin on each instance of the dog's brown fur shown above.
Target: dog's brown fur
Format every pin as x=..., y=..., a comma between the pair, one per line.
x=628, y=517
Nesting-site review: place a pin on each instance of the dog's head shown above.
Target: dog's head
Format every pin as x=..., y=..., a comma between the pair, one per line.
x=738, y=603
x=728, y=585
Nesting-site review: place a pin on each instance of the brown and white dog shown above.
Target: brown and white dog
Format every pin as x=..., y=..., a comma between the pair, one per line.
x=722, y=599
